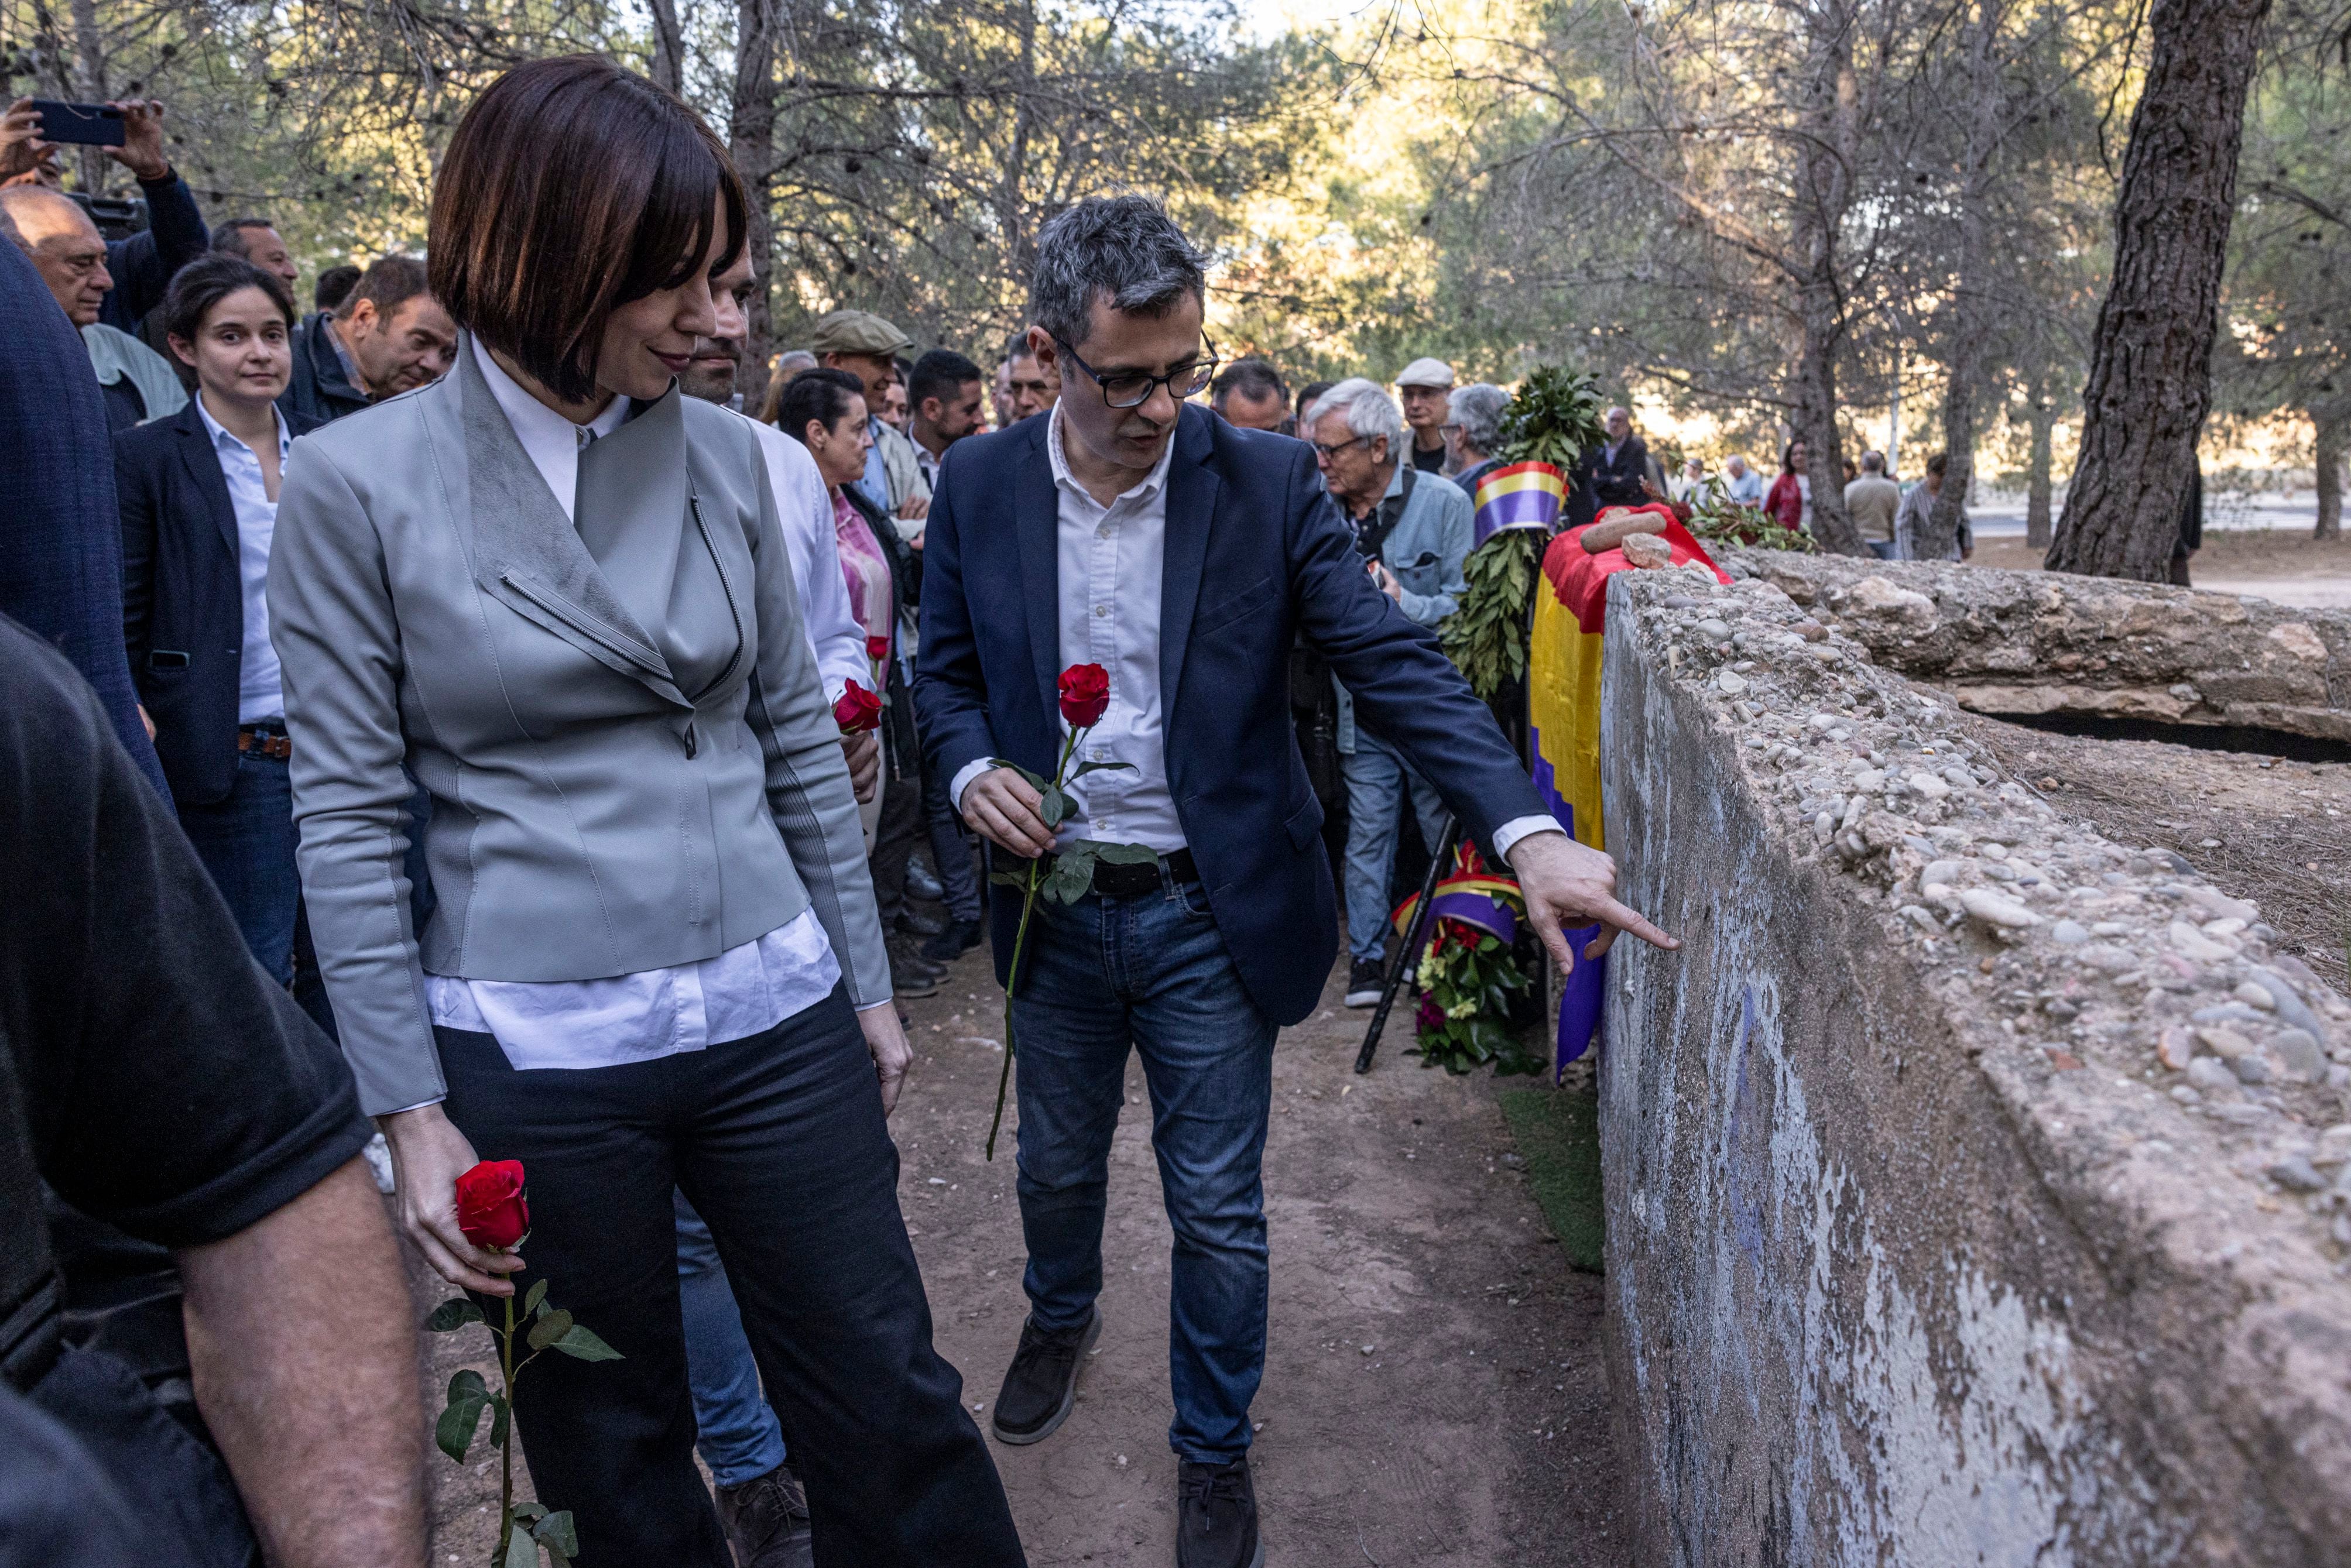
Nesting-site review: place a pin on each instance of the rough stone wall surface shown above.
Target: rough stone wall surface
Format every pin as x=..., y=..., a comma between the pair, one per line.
x=2035, y=642
x=1976, y=1187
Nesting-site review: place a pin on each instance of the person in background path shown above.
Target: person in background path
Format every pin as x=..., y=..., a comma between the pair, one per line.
x=334, y=287
x=390, y=337
x=867, y=347
x=199, y=499
x=1741, y=483
x=1413, y=532
x=893, y=402
x=825, y=410
x=1473, y=425
x=1001, y=396
x=1871, y=501
x=256, y=240
x=1424, y=386
x=1302, y=425
x=141, y=264
x=57, y=236
x=1791, y=501
x=1693, y=486
x=944, y=391
x=1137, y=531
x=1248, y=394
x=1612, y=472
x=148, y=1085
x=1036, y=384
x=1910, y=519
x=762, y=1504
x=60, y=531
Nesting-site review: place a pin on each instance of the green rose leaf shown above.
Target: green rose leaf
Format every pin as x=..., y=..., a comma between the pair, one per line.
x=1072, y=874
x=453, y=1314
x=581, y=1342
x=555, y=1533
x=522, y=1551
x=527, y=1512
x=453, y=1433
x=1086, y=768
x=538, y=1294
x=552, y=1325
x=1036, y=781
x=1056, y=806
x=499, y=1411
x=1008, y=878
x=1124, y=855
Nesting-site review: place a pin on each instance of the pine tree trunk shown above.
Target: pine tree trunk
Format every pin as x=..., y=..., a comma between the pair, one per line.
x=2333, y=425
x=2150, y=367
x=751, y=138
x=2036, y=485
x=1963, y=353
x=90, y=85
x=1824, y=196
x=669, y=46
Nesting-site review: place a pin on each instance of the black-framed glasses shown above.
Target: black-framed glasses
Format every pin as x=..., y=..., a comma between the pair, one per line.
x=1133, y=389
x=1330, y=454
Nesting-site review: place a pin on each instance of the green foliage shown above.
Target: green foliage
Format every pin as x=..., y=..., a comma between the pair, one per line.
x=1467, y=978
x=1553, y=418
x=1486, y=635
x=1717, y=521
x=453, y=1433
x=457, y=1313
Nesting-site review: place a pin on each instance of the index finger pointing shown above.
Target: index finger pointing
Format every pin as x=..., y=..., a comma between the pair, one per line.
x=1632, y=920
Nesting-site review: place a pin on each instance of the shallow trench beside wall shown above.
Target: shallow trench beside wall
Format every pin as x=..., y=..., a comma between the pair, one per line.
x=1976, y=1187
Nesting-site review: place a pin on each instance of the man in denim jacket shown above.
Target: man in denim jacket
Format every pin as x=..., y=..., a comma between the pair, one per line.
x=1415, y=531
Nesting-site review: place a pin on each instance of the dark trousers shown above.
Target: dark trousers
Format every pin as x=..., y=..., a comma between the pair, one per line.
x=247, y=842
x=950, y=851
x=778, y=1141
x=900, y=829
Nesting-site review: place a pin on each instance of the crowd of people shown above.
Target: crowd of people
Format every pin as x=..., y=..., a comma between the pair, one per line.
x=484, y=635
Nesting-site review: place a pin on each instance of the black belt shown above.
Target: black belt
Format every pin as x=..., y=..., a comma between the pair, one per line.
x=1136, y=880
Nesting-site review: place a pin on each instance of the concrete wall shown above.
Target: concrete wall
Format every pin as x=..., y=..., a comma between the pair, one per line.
x=1928, y=1240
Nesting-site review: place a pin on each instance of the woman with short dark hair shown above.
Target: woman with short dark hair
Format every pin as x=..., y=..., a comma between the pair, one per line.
x=199, y=498
x=559, y=593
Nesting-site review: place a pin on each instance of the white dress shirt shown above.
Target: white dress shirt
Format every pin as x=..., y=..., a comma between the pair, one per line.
x=1108, y=568
x=257, y=687
x=806, y=507
x=654, y=1012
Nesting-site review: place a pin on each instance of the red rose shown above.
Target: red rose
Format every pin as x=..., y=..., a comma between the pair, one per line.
x=877, y=649
x=490, y=1206
x=858, y=710
x=1085, y=694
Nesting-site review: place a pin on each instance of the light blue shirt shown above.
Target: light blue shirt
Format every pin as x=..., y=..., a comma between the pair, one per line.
x=1747, y=489
x=876, y=483
x=257, y=687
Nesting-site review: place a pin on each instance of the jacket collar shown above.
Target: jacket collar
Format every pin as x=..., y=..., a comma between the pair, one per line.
x=529, y=556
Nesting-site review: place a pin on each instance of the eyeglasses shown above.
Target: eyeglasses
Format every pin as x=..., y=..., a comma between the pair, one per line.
x=1330, y=454
x=1132, y=389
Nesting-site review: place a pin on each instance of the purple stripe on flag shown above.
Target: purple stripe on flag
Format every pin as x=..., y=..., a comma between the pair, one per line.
x=1487, y=914
x=1528, y=509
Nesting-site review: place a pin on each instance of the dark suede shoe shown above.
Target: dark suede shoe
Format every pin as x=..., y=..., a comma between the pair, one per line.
x=767, y=1523
x=914, y=923
x=1215, y=1517
x=953, y=943
x=1042, y=1383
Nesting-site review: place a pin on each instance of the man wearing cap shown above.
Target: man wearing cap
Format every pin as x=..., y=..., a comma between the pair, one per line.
x=1423, y=388
x=868, y=348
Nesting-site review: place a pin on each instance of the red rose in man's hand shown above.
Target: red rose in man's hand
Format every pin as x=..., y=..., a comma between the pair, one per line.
x=490, y=1206
x=877, y=649
x=1085, y=694
x=858, y=710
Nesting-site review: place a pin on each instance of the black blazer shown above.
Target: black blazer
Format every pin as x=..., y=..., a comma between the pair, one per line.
x=183, y=601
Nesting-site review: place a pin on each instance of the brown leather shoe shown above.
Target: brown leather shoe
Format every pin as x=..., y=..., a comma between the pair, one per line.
x=767, y=1523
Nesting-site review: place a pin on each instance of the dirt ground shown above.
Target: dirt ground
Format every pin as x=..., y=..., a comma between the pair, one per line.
x=1434, y=1389
x=2272, y=830
x=2281, y=564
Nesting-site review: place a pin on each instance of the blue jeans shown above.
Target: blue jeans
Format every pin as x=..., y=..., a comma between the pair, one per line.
x=1151, y=974
x=738, y=1437
x=1882, y=548
x=1377, y=781
x=247, y=842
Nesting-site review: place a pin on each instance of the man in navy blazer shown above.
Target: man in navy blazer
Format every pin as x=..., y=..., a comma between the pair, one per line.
x=1132, y=530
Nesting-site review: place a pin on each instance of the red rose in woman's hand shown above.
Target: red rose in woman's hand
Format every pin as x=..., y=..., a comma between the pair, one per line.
x=858, y=710
x=490, y=1206
x=1085, y=694
x=877, y=649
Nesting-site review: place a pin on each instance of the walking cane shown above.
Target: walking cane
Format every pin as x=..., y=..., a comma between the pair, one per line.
x=1411, y=944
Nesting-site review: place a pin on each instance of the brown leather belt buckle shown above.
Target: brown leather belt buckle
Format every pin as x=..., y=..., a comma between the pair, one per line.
x=274, y=744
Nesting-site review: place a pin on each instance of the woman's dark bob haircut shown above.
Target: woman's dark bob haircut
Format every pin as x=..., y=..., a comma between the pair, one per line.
x=209, y=280
x=572, y=187
x=821, y=396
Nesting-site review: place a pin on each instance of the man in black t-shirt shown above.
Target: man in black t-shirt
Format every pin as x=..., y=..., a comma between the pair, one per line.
x=153, y=1079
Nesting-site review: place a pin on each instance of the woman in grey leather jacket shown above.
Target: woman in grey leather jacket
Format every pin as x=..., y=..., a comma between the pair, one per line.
x=557, y=592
